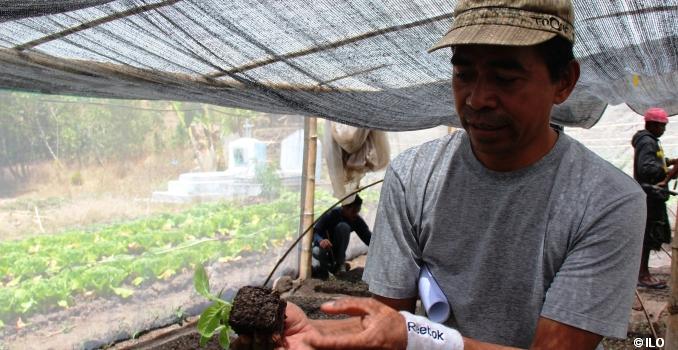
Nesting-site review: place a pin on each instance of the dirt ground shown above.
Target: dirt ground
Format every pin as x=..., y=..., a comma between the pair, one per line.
x=49, y=202
x=655, y=302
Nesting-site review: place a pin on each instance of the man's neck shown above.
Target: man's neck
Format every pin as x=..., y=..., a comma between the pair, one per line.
x=516, y=160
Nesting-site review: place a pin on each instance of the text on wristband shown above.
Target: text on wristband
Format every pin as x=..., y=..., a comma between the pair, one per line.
x=425, y=330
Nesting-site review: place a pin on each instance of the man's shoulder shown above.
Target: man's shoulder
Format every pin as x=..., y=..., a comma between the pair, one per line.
x=598, y=174
x=336, y=211
x=644, y=137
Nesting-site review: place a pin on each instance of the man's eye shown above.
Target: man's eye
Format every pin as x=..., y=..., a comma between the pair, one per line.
x=462, y=76
x=505, y=80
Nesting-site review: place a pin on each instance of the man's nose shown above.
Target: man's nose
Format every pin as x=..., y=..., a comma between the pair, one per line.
x=481, y=96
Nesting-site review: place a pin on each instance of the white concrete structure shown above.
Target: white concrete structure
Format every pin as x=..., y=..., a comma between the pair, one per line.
x=239, y=180
x=244, y=155
x=292, y=158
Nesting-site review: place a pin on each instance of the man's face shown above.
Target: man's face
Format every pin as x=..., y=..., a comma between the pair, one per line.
x=657, y=129
x=503, y=96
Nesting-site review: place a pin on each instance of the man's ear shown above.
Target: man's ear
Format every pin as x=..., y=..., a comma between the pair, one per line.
x=567, y=82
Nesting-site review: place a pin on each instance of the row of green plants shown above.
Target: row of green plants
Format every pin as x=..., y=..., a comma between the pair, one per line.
x=44, y=272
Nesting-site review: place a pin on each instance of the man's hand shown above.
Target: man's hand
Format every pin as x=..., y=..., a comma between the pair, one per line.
x=297, y=327
x=325, y=244
x=381, y=327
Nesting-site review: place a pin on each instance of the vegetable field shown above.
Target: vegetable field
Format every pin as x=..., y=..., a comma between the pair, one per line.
x=47, y=272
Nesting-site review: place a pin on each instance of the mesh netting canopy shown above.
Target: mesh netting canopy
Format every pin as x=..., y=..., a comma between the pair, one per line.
x=360, y=62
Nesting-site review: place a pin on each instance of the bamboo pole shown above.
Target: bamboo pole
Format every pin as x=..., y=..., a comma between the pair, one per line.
x=87, y=25
x=308, y=193
x=672, y=326
x=95, y=23
x=108, y=71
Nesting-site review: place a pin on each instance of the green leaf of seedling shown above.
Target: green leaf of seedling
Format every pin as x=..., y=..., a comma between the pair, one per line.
x=224, y=339
x=63, y=303
x=209, y=320
x=137, y=281
x=123, y=292
x=225, y=313
x=2, y=324
x=203, y=341
x=202, y=284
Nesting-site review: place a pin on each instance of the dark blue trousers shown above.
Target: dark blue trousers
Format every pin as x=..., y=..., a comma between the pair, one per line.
x=330, y=260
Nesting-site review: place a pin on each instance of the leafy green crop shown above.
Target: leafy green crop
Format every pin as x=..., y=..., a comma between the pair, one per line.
x=47, y=271
x=214, y=320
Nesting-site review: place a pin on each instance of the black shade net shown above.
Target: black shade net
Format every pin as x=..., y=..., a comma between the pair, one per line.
x=362, y=63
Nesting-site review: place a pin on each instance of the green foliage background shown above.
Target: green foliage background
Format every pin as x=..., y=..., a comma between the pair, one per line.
x=46, y=272
x=83, y=131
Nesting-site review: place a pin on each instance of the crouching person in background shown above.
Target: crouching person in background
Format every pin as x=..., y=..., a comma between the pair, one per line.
x=331, y=236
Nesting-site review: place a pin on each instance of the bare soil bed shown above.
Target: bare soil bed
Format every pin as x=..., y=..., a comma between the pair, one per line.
x=99, y=322
x=312, y=293
x=308, y=295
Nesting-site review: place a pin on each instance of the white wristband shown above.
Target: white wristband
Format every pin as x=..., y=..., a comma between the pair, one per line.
x=423, y=334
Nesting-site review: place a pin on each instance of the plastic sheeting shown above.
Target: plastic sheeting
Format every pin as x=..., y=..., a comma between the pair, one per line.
x=362, y=63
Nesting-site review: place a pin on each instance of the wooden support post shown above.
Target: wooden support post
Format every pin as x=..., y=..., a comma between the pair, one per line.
x=308, y=194
x=672, y=326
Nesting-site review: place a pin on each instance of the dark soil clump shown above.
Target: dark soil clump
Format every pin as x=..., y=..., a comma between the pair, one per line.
x=257, y=310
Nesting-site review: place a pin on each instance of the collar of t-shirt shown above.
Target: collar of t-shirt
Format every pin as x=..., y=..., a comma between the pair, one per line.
x=550, y=159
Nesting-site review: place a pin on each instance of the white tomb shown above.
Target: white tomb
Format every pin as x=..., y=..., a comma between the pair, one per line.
x=239, y=180
x=244, y=156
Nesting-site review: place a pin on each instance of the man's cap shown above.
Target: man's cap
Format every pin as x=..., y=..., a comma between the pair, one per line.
x=656, y=115
x=509, y=22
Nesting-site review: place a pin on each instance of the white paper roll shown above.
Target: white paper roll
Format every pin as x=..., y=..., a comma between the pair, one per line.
x=432, y=297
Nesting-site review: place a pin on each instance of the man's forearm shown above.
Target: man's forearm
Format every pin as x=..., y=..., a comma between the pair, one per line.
x=472, y=344
x=672, y=173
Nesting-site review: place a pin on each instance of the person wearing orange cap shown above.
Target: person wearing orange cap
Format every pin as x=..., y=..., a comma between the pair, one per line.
x=650, y=167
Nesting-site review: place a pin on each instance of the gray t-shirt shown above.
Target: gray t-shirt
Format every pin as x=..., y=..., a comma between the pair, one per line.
x=559, y=239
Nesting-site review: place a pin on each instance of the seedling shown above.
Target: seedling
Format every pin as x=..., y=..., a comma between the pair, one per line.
x=257, y=314
x=214, y=320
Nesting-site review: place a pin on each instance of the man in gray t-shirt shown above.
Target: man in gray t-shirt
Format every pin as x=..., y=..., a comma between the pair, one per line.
x=534, y=240
x=549, y=240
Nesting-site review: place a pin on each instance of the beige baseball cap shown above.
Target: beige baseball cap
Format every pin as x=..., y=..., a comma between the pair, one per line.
x=509, y=22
